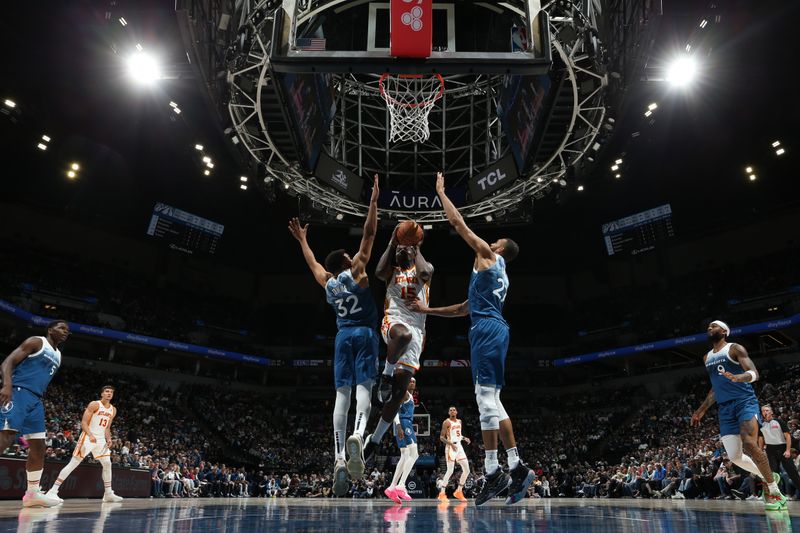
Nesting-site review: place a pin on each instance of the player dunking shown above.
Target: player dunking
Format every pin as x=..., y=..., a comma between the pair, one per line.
x=731, y=372
x=407, y=442
x=346, y=286
x=403, y=331
x=95, y=438
x=454, y=453
x=27, y=372
x=488, y=339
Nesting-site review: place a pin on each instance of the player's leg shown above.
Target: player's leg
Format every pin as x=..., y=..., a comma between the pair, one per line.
x=507, y=433
x=451, y=465
x=748, y=427
x=32, y=428
x=74, y=462
x=366, y=370
x=344, y=377
x=391, y=490
x=398, y=337
x=459, y=493
x=400, y=380
x=103, y=455
x=411, y=459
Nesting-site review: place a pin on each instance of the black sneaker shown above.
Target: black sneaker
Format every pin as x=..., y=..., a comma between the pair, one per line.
x=521, y=478
x=494, y=485
x=385, y=388
x=369, y=450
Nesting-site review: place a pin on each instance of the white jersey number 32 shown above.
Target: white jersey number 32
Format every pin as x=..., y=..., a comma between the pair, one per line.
x=351, y=300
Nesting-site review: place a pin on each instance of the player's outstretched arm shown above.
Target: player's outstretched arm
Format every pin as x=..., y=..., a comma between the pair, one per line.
x=384, y=268
x=300, y=232
x=750, y=374
x=368, y=238
x=424, y=268
x=450, y=311
x=29, y=346
x=480, y=246
x=701, y=411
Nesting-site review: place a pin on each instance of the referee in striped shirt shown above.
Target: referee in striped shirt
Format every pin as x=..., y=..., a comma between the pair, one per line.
x=777, y=441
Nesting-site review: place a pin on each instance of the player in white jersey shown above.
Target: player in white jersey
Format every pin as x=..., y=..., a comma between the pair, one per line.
x=454, y=453
x=403, y=330
x=95, y=438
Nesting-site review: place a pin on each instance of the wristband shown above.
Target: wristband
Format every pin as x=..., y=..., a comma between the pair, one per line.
x=754, y=376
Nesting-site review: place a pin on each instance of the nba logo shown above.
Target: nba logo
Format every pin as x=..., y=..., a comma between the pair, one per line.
x=7, y=407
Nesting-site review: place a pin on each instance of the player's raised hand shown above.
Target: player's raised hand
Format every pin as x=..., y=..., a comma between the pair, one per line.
x=297, y=230
x=375, y=190
x=439, y=183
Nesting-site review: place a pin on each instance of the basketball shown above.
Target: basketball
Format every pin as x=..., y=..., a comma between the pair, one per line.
x=409, y=233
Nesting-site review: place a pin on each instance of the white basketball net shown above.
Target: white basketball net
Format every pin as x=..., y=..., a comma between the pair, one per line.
x=410, y=98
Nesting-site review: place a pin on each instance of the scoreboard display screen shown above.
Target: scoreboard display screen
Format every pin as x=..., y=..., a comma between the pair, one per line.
x=184, y=231
x=638, y=233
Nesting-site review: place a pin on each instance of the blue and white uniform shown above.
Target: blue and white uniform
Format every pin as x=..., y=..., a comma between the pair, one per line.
x=737, y=401
x=405, y=418
x=488, y=336
x=356, y=347
x=25, y=412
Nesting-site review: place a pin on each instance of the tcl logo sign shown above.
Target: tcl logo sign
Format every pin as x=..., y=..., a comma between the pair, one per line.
x=494, y=177
x=498, y=175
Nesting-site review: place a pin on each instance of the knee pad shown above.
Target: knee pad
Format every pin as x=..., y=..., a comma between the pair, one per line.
x=502, y=415
x=487, y=407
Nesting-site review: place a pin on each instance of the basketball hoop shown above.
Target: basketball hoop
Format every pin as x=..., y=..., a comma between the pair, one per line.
x=410, y=98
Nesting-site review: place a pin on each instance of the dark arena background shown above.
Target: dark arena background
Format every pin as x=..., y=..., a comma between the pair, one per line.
x=641, y=153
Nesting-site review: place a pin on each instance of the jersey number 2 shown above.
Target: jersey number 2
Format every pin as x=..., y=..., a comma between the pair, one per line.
x=352, y=300
x=501, y=291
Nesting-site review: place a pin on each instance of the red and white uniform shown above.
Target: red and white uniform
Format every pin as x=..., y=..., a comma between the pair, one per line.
x=406, y=284
x=98, y=424
x=457, y=454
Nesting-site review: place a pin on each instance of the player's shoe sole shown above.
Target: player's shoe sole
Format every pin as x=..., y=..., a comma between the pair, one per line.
x=404, y=495
x=112, y=498
x=492, y=487
x=393, y=495
x=459, y=496
x=340, y=482
x=521, y=478
x=442, y=497
x=39, y=499
x=355, y=456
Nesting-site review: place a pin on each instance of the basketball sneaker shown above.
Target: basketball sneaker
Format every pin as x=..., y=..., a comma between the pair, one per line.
x=776, y=478
x=403, y=493
x=494, y=485
x=442, y=497
x=385, y=388
x=392, y=494
x=459, y=496
x=521, y=478
x=775, y=502
x=340, y=482
x=368, y=452
x=355, y=455
x=53, y=494
x=40, y=499
x=110, y=497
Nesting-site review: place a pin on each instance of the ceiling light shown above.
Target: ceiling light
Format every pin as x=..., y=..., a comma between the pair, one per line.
x=614, y=167
x=173, y=104
x=123, y=21
x=71, y=174
x=488, y=218
x=41, y=146
x=198, y=147
x=75, y=166
x=286, y=186
x=703, y=23
x=10, y=103
x=682, y=71
x=243, y=178
x=243, y=187
x=143, y=68
x=618, y=176
x=562, y=182
x=776, y=144
x=46, y=138
x=652, y=106
x=749, y=170
x=207, y=172
x=339, y=216
x=780, y=151
x=618, y=162
x=139, y=47
x=177, y=110
x=648, y=113
x=210, y=164
x=580, y=188
x=752, y=177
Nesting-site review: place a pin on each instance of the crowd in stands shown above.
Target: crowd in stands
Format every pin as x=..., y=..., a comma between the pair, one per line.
x=89, y=293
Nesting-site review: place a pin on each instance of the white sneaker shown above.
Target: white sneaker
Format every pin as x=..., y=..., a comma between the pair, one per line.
x=51, y=494
x=40, y=499
x=111, y=497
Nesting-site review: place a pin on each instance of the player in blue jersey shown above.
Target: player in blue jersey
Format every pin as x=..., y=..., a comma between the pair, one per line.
x=406, y=439
x=488, y=339
x=27, y=372
x=356, y=347
x=731, y=372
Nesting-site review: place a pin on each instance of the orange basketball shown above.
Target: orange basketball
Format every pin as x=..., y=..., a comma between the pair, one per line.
x=409, y=233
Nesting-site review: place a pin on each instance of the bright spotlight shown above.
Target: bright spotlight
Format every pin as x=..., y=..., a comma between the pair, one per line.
x=489, y=218
x=71, y=174
x=614, y=167
x=41, y=146
x=776, y=144
x=10, y=103
x=618, y=161
x=618, y=176
x=207, y=172
x=243, y=187
x=206, y=159
x=682, y=71
x=652, y=106
x=752, y=177
x=75, y=166
x=143, y=68
x=648, y=113
x=749, y=170
x=46, y=138
x=243, y=179
x=339, y=216
x=580, y=188
x=780, y=151
x=198, y=147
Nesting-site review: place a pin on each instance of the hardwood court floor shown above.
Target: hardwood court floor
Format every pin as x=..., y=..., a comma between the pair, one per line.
x=421, y=516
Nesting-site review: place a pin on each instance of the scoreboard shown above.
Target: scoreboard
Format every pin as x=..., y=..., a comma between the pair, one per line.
x=638, y=233
x=184, y=231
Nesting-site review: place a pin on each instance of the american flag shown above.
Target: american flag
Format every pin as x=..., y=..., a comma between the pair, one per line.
x=305, y=43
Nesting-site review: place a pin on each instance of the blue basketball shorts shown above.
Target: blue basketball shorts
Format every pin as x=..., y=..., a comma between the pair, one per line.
x=488, y=342
x=409, y=435
x=355, y=357
x=734, y=412
x=23, y=414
